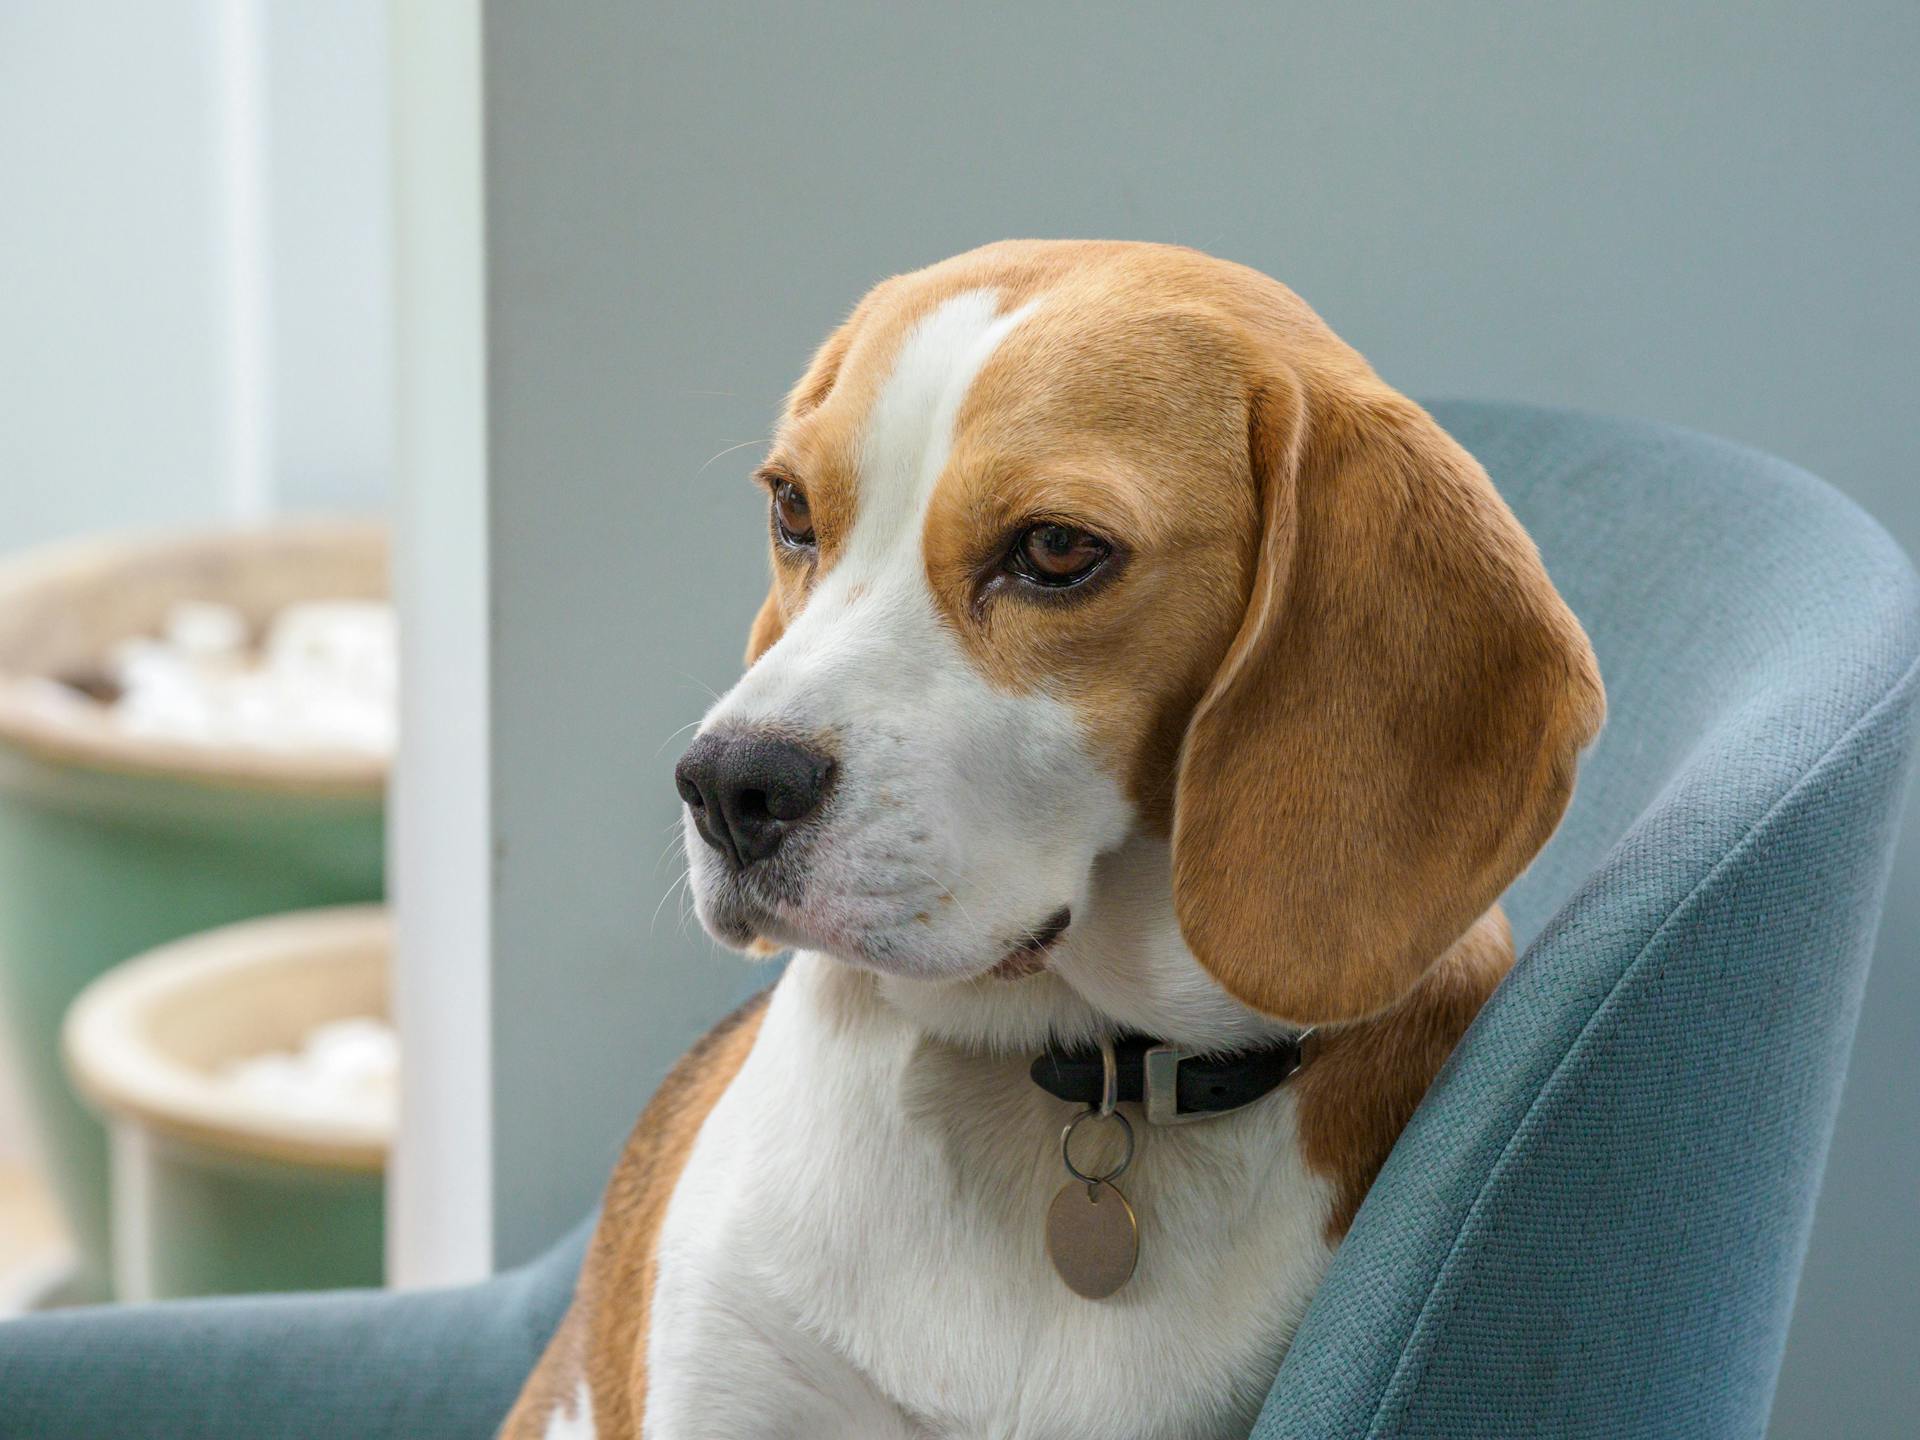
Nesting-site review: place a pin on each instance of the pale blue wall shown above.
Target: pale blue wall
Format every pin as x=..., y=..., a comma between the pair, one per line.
x=1702, y=213
x=118, y=248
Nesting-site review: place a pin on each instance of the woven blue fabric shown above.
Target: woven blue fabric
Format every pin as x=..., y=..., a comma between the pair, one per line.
x=368, y=1364
x=1594, y=1223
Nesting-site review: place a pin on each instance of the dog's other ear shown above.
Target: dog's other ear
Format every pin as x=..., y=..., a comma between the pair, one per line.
x=768, y=626
x=1394, y=730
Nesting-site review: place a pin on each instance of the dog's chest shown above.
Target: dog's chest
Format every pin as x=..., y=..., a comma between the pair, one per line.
x=862, y=1216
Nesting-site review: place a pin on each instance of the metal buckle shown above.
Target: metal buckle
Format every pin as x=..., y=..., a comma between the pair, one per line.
x=1160, y=1080
x=1160, y=1072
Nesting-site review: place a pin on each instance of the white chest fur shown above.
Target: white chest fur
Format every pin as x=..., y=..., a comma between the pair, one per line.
x=855, y=1249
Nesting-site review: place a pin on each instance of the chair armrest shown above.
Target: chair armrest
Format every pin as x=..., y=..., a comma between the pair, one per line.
x=1594, y=1224
x=421, y=1365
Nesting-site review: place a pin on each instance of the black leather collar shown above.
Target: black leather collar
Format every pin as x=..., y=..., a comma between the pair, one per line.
x=1175, y=1085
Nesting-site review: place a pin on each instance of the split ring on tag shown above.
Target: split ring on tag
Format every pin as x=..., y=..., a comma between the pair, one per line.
x=1093, y=1236
x=1066, y=1146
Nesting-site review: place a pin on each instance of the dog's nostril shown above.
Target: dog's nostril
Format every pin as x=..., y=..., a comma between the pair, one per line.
x=797, y=799
x=746, y=790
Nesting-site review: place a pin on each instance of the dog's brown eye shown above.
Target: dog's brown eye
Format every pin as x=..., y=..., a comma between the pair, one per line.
x=1057, y=555
x=792, y=513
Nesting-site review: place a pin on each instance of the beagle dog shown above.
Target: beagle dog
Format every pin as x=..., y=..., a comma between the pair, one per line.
x=1149, y=709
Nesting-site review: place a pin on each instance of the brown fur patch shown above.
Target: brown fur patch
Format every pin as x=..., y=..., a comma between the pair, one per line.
x=1118, y=407
x=1397, y=725
x=1367, y=1078
x=604, y=1335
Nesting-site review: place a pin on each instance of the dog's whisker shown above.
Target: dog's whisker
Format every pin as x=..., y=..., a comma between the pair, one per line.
x=676, y=735
x=686, y=917
x=678, y=842
x=895, y=891
x=669, y=893
x=947, y=890
x=762, y=440
x=711, y=693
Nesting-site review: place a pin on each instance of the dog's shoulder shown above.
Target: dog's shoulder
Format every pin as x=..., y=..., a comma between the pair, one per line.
x=591, y=1379
x=1369, y=1076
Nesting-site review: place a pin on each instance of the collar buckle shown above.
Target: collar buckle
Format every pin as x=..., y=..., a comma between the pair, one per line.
x=1160, y=1082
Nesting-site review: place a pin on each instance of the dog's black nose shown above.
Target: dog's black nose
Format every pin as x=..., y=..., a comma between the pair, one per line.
x=748, y=789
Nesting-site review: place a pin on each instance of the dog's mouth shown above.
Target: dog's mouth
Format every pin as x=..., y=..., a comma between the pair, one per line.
x=1029, y=957
x=750, y=917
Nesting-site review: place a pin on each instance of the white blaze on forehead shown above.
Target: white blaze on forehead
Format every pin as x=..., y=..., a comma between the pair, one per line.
x=842, y=654
x=909, y=433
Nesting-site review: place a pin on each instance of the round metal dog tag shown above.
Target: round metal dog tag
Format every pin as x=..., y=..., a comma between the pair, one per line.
x=1093, y=1238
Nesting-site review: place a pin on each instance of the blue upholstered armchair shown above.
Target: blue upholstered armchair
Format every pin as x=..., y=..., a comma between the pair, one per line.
x=1594, y=1224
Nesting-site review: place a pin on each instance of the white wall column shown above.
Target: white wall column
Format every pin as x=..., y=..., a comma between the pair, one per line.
x=555, y=637
x=440, y=1193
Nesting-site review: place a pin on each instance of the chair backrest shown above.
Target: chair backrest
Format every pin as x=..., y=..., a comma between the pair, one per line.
x=1595, y=1222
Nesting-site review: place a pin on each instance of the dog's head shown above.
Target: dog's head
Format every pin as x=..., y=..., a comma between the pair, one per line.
x=1112, y=591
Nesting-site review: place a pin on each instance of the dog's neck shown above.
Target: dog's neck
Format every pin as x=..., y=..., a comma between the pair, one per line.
x=1122, y=966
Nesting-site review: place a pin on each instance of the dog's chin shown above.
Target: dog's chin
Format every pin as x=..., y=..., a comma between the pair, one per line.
x=1005, y=1001
x=762, y=932
x=750, y=931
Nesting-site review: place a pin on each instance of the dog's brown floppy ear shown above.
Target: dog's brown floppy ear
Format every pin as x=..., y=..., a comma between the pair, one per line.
x=768, y=626
x=1393, y=732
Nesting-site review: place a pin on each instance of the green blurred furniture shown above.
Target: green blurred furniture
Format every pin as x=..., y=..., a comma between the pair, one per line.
x=217, y=1189
x=111, y=844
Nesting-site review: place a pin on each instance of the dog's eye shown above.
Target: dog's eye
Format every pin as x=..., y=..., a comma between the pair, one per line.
x=1057, y=555
x=792, y=514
